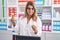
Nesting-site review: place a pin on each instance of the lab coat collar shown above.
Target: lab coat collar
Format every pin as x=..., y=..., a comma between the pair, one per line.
x=29, y=20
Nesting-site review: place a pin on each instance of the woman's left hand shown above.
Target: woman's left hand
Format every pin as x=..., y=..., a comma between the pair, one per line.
x=35, y=29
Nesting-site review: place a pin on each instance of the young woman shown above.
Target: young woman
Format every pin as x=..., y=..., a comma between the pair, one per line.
x=30, y=24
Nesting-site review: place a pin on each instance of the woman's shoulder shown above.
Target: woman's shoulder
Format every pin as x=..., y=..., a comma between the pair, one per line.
x=21, y=18
x=38, y=19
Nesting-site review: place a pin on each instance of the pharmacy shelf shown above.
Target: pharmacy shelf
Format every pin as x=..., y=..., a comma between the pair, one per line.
x=56, y=19
x=56, y=5
x=46, y=19
x=44, y=6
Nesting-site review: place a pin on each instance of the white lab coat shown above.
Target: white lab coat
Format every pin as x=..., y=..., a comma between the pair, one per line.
x=26, y=29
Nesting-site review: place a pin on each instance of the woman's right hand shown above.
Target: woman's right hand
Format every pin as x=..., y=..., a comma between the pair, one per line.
x=13, y=22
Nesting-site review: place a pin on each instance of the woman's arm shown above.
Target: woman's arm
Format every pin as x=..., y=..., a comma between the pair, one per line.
x=39, y=24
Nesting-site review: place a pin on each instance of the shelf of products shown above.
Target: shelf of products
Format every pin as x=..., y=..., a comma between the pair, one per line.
x=12, y=10
x=45, y=14
x=56, y=26
x=3, y=15
x=56, y=19
x=47, y=10
x=46, y=27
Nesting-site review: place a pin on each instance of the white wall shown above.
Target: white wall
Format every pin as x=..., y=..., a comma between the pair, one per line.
x=50, y=36
x=5, y=35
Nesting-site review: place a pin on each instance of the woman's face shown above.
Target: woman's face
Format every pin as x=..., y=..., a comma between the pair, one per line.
x=30, y=10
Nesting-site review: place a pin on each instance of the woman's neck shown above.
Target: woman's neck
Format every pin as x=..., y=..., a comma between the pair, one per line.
x=28, y=18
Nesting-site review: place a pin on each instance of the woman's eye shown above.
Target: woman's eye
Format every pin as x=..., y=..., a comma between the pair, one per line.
x=30, y=8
